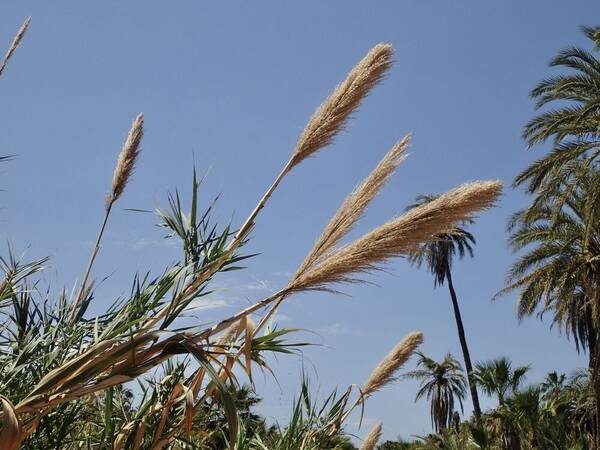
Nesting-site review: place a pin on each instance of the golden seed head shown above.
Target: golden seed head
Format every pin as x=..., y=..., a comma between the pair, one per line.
x=127, y=159
x=384, y=373
x=330, y=118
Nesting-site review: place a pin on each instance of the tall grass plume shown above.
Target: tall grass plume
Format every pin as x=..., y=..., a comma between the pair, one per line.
x=15, y=44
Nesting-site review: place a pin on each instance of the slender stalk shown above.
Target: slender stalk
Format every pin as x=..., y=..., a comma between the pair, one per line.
x=231, y=247
x=121, y=176
x=249, y=223
x=465, y=349
x=88, y=270
x=268, y=315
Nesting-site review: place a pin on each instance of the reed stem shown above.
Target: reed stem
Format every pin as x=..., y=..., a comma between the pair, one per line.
x=88, y=270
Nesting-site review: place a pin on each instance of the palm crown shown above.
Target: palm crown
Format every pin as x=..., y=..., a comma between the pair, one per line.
x=560, y=270
x=442, y=383
x=497, y=377
x=438, y=255
x=572, y=126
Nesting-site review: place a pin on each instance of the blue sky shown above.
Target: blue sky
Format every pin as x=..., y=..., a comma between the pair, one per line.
x=231, y=85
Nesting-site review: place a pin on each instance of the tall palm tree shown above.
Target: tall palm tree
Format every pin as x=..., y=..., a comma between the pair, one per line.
x=573, y=125
x=442, y=384
x=573, y=129
x=497, y=377
x=439, y=256
x=560, y=271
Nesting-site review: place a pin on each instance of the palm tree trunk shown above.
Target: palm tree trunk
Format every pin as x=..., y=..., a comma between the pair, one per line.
x=465, y=349
x=595, y=360
x=591, y=335
x=596, y=384
x=594, y=350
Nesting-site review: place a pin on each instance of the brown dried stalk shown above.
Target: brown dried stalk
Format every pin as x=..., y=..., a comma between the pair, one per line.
x=11, y=434
x=15, y=43
x=395, y=238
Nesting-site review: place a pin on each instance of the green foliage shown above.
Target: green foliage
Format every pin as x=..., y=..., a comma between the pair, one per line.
x=397, y=445
x=497, y=377
x=572, y=126
x=312, y=425
x=560, y=269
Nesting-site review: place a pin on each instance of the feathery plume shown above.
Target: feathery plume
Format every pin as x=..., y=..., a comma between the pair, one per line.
x=324, y=124
x=372, y=438
x=399, y=236
x=330, y=117
x=350, y=211
x=15, y=43
x=328, y=120
x=121, y=175
x=386, y=369
x=355, y=205
x=127, y=159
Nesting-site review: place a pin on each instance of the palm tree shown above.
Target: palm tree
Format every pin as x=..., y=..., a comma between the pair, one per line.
x=442, y=384
x=497, y=377
x=553, y=385
x=581, y=399
x=572, y=126
x=518, y=421
x=439, y=255
x=527, y=404
x=560, y=271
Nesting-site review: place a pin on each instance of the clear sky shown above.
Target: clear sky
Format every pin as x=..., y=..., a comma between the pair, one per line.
x=231, y=85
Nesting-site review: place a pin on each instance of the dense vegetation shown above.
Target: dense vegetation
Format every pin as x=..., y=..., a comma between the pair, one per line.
x=66, y=375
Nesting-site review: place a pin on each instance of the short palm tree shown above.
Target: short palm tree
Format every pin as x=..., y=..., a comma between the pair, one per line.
x=528, y=407
x=439, y=255
x=553, y=385
x=442, y=384
x=497, y=377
